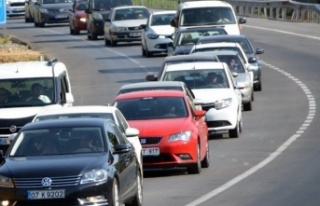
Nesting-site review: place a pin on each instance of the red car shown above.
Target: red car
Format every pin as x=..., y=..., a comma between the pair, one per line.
x=172, y=132
x=78, y=17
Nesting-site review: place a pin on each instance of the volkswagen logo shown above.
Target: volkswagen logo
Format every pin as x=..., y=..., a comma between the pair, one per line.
x=46, y=182
x=13, y=128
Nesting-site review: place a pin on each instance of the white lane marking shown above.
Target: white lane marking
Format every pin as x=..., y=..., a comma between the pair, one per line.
x=105, y=48
x=285, y=32
x=279, y=150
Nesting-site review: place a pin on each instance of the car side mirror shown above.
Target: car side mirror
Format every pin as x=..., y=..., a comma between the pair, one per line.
x=173, y=23
x=122, y=148
x=234, y=74
x=242, y=20
x=143, y=26
x=199, y=113
x=259, y=51
x=252, y=60
x=151, y=77
x=132, y=132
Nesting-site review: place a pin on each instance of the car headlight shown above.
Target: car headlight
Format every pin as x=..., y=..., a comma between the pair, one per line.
x=222, y=103
x=83, y=19
x=119, y=29
x=98, y=175
x=152, y=36
x=42, y=10
x=97, y=16
x=183, y=136
x=5, y=181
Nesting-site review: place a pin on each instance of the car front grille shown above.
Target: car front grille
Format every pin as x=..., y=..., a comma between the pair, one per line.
x=218, y=123
x=6, y=123
x=56, y=182
x=150, y=140
x=17, y=4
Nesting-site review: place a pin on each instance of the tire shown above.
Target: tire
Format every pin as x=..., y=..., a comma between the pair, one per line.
x=71, y=31
x=234, y=133
x=252, y=96
x=114, y=199
x=247, y=106
x=35, y=24
x=258, y=87
x=137, y=200
x=143, y=51
x=196, y=167
x=76, y=31
x=106, y=42
x=26, y=19
x=148, y=54
x=113, y=43
x=94, y=36
x=205, y=163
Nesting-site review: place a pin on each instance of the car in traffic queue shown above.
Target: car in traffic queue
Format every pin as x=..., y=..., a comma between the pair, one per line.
x=70, y=162
x=123, y=24
x=96, y=111
x=78, y=17
x=156, y=33
x=172, y=132
x=240, y=73
x=185, y=38
x=213, y=83
x=248, y=49
x=51, y=12
x=13, y=8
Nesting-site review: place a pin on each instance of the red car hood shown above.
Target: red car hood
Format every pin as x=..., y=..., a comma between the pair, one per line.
x=160, y=127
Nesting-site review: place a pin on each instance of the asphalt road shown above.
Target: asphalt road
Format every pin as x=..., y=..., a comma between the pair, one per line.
x=275, y=160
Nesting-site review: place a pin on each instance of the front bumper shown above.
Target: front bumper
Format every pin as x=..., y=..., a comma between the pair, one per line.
x=157, y=45
x=15, y=10
x=55, y=17
x=127, y=36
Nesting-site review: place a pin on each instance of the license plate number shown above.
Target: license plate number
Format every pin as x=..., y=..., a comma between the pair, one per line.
x=134, y=34
x=152, y=151
x=46, y=194
x=4, y=141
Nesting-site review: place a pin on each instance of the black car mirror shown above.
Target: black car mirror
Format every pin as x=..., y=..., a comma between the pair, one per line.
x=259, y=51
x=242, y=20
x=252, y=60
x=143, y=26
x=173, y=23
x=151, y=77
x=122, y=148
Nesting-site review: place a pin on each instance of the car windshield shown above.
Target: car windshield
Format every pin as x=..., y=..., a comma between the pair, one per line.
x=58, y=141
x=26, y=92
x=161, y=19
x=131, y=14
x=200, y=79
x=207, y=16
x=234, y=63
x=152, y=108
x=207, y=49
x=191, y=37
x=56, y=1
x=77, y=115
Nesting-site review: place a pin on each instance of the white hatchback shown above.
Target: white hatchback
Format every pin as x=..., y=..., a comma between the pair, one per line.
x=104, y=112
x=214, y=85
x=156, y=34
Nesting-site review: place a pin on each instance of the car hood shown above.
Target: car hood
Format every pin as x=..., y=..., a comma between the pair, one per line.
x=130, y=23
x=182, y=50
x=21, y=112
x=212, y=95
x=159, y=127
x=22, y=167
x=65, y=7
x=163, y=30
x=242, y=77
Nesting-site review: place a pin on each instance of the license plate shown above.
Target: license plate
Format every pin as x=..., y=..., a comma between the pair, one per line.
x=61, y=17
x=151, y=151
x=4, y=141
x=46, y=194
x=134, y=34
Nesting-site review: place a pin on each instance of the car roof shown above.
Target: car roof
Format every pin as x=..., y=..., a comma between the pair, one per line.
x=77, y=110
x=32, y=69
x=218, y=44
x=201, y=28
x=189, y=58
x=154, y=84
x=62, y=123
x=150, y=93
x=217, y=53
x=195, y=66
x=199, y=4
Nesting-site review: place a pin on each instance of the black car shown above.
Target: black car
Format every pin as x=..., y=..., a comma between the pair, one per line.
x=185, y=38
x=51, y=11
x=248, y=49
x=98, y=11
x=70, y=162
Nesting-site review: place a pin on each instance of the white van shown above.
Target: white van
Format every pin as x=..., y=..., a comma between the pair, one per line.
x=208, y=13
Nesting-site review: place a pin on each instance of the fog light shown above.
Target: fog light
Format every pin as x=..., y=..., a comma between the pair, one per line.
x=93, y=199
x=184, y=156
x=4, y=203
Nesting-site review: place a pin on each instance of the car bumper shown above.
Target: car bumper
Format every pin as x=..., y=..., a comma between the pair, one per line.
x=55, y=18
x=80, y=25
x=15, y=11
x=126, y=36
x=222, y=119
x=157, y=45
x=74, y=195
x=171, y=154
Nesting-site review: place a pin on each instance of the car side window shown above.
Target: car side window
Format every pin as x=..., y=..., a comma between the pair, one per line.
x=122, y=122
x=121, y=138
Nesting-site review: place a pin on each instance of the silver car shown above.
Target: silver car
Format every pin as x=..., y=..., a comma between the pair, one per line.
x=123, y=24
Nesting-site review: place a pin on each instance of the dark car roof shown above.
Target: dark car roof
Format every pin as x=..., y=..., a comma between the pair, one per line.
x=74, y=122
x=151, y=93
x=189, y=58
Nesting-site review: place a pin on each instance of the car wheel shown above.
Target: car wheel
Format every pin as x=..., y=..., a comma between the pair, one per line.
x=205, y=163
x=196, y=167
x=252, y=96
x=106, y=42
x=76, y=31
x=41, y=24
x=114, y=199
x=137, y=200
x=258, y=86
x=71, y=31
x=240, y=126
x=234, y=133
x=143, y=51
x=94, y=36
x=148, y=54
x=35, y=24
x=26, y=19
x=247, y=106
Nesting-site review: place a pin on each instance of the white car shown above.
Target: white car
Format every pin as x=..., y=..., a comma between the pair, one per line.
x=156, y=34
x=123, y=24
x=220, y=98
x=105, y=112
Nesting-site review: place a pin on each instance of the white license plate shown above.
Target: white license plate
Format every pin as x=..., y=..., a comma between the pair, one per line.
x=4, y=141
x=134, y=34
x=46, y=194
x=151, y=151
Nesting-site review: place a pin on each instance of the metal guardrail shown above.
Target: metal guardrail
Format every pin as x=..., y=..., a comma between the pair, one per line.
x=286, y=10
